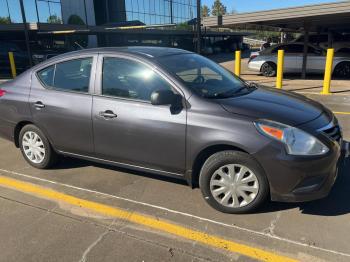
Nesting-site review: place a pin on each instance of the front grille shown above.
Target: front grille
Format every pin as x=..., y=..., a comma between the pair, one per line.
x=333, y=132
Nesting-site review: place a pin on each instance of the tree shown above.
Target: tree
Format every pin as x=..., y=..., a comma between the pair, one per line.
x=205, y=11
x=75, y=20
x=54, y=19
x=77, y=40
x=218, y=8
x=5, y=20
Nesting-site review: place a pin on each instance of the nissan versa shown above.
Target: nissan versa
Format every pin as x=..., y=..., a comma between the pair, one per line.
x=175, y=113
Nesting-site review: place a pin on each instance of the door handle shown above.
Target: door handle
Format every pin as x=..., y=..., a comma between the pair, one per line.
x=108, y=114
x=39, y=105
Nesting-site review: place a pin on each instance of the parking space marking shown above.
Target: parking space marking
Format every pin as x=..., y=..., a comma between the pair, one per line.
x=137, y=218
x=341, y=113
x=267, y=235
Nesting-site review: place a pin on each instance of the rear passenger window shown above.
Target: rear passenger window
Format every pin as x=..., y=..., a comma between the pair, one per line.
x=46, y=75
x=73, y=75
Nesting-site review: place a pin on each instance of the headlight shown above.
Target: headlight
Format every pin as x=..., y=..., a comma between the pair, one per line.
x=297, y=142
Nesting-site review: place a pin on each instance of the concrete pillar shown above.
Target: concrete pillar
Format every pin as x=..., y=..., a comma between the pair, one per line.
x=282, y=37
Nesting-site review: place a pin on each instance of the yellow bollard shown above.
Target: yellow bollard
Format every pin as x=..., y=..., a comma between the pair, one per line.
x=280, y=63
x=328, y=72
x=13, y=65
x=238, y=63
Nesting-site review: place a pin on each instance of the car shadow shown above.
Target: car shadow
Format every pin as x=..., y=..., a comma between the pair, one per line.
x=72, y=163
x=335, y=204
x=310, y=76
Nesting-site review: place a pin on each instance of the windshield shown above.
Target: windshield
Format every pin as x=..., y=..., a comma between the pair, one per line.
x=203, y=76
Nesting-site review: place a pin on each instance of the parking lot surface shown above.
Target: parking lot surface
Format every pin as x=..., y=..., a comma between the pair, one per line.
x=82, y=211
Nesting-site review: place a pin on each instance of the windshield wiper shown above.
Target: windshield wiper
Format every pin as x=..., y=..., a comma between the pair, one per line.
x=233, y=92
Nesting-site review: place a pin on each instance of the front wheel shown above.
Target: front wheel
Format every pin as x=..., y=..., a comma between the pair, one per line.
x=342, y=70
x=36, y=148
x=269, y=69
x=233, y=182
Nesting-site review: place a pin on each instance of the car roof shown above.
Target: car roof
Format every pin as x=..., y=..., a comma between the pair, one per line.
x=269, y=49
x=143, y=51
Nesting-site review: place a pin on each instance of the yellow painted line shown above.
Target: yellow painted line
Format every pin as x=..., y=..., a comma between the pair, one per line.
x=341, y=113
x=158, y=224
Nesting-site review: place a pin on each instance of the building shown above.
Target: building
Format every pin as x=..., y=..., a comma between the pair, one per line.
x=47, y=16
x=99, y=12
x=64, y=25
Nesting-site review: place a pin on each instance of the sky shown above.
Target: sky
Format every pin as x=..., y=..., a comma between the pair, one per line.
x=258, y=5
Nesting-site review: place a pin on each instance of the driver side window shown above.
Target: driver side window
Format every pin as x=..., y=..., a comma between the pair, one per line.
x=130, y=79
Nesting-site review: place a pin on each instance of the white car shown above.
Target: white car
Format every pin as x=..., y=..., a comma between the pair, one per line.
x=265, y=61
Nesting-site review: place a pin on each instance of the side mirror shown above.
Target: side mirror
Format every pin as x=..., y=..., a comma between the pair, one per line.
x=165, y=97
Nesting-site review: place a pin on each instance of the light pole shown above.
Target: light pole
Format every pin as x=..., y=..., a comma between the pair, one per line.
x=199, y=31
x=26, y=34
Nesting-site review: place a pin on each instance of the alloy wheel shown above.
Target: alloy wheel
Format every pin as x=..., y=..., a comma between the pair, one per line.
x=343, y=70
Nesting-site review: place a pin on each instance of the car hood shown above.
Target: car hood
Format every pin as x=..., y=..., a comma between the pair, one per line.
x=277, y=105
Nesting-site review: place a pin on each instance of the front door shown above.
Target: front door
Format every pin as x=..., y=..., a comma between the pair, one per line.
x=60, y=103
x=127, y=128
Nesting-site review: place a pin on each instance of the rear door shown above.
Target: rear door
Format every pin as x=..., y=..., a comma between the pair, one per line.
x=127, y=128
x=294, y=53
x=61, y=102
x=316, y=60
x=289, y=58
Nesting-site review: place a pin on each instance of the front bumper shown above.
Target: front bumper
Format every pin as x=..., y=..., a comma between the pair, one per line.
x=298, y=178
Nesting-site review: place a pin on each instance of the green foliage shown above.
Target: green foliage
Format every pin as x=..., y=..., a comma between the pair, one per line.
x=218, y=8
x=266, y=36
x=183, y=26
x=54, y=19
x=205, y=11
x=82, y=40
x=5, y=20
x=75, y=20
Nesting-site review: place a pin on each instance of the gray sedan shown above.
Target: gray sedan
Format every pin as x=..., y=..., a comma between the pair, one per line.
x=266, y=60
x=174, y=113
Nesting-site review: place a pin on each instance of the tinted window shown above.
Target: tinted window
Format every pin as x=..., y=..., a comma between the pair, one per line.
x=203, y=76
x=344, y=50
x=46, y=75
x=71, y=75
x=293, y=48
x=312, y=50
x=289, y=49
x=130, y=79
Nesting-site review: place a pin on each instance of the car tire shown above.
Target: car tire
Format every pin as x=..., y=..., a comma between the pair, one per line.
x=247, y=170
x=269, y=69
x=342, y=70
x=36, y=148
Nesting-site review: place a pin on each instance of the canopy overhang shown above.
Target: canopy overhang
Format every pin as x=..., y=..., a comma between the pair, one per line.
x=317, y=18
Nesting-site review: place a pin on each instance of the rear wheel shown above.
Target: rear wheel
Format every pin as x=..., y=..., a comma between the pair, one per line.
x=36, y=148
x=269, y=69
x=342, y=70
x=233, y=182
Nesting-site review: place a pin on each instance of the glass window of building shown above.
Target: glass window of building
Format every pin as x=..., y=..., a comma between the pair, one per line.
x=147, y=11
x=49, y=11
x=4, y=12
x=15, y=11
x=44, y=11
x=30, y=11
